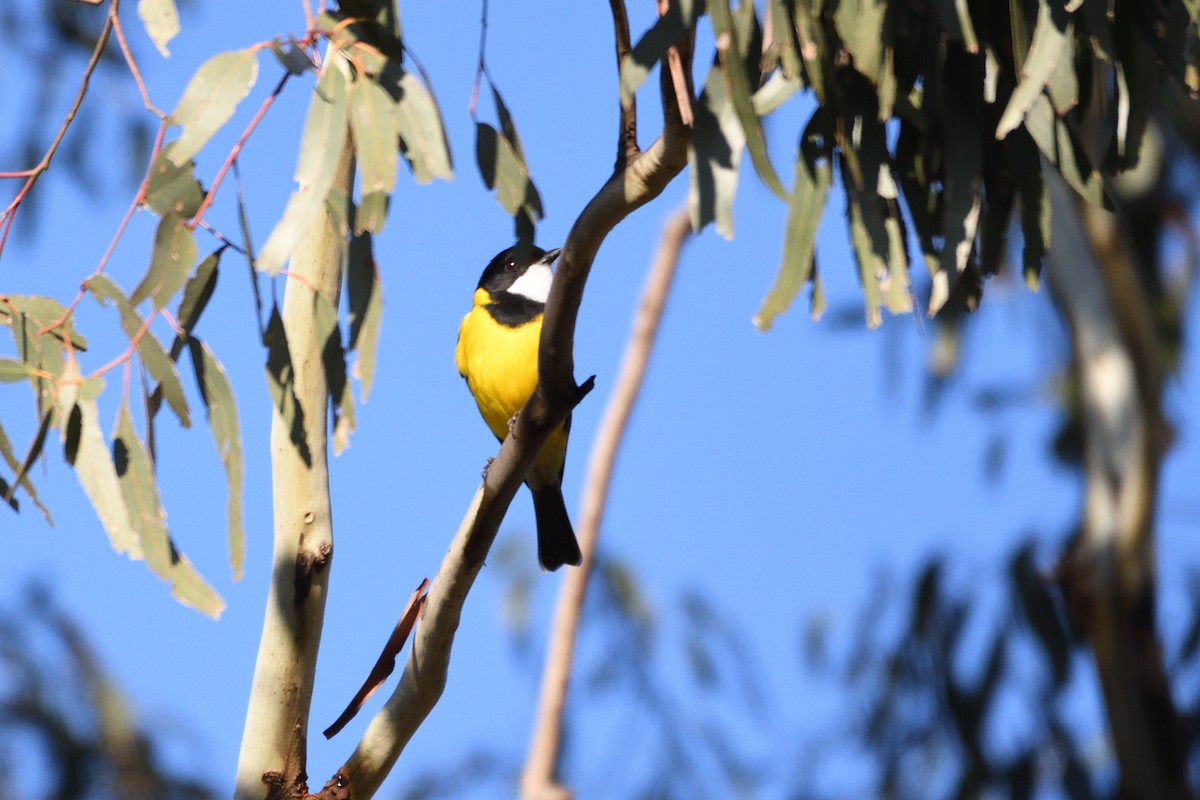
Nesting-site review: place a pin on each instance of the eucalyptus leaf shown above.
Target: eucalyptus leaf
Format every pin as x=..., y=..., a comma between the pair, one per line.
x=41, y=312
x=505, y=173
x=140, y=490
x=364, y=293
x=161, y=20
x=732, y=65
x=1051, y=44
x=209, y=100
x=714, y=156
x=422, y=133
x=154, y=357
x=321, y=143
x=810, y=192
x=88, y=453
x=373, y=124
x=173, y=255
x=12, y=371
x=221, y=407
x=173, y=189
x=680, y=17
x=21, y=469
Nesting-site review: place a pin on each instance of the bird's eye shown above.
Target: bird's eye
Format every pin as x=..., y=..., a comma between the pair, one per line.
x=510, y=266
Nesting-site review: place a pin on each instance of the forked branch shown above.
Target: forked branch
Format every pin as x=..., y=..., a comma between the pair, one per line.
x=636, y=183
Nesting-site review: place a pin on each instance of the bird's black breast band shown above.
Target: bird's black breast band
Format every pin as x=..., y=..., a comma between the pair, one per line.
x=513, y=310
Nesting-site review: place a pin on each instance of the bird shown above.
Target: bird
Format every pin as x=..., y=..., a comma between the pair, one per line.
x=497, y=355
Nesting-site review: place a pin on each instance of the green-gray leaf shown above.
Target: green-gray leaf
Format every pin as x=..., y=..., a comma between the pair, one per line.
x=154, y=358
x=364, y=293
x=161, y=19
x=197, y=292
x=210, y=99
x=320, y=147
x=1060, y=146
x=217, y=392
x=173, y=255
x=21, y=470
x=668, y=29
x=139, y=488
x=505, y=172
x=88, y=453
x=813, y=176
x=860, y=24
x=12, y=371
x=373, y=124
x=43, y=311
x=714, y=157
x=1051, y=44
x=422, y=134
x=732, y=64
x=172, y=188
x=291, y=58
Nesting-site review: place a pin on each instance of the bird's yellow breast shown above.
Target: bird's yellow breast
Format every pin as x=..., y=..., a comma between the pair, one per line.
x=499, y=363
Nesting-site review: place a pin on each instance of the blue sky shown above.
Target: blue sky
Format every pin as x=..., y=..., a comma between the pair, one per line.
x=776, y=473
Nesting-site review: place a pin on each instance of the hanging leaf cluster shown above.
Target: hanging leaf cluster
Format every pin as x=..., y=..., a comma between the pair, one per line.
x=365, y=93
x=938, y=120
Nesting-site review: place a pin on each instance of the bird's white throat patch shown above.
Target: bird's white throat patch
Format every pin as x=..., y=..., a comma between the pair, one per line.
x=534, y=284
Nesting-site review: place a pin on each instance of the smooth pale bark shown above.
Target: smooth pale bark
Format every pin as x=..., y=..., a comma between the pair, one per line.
x=274, y=741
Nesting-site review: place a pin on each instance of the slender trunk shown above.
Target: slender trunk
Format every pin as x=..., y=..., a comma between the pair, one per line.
x=273, y=755
x=1108, y=571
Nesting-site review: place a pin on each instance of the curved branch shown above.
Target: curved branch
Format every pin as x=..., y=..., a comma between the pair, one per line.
x=424, y=678
x=538, y=780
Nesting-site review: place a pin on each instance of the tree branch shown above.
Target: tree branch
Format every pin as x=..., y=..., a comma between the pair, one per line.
x=538, y=779
x=627, y=144
x=274, y=742
x=1108, y=571
x=424, y=678
x=31, y=175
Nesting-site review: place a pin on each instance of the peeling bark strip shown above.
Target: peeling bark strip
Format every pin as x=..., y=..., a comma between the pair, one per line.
x=1107, y=573
x=386, y=662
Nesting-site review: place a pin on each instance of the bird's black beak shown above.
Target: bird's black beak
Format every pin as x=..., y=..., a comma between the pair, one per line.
x=551, y=255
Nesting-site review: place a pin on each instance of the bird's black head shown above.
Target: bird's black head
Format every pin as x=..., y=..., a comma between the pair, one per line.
x=522, y=270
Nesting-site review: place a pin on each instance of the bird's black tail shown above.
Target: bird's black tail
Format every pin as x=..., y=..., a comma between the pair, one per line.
x=556, y=539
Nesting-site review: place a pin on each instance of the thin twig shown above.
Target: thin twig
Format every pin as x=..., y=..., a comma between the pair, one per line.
x=680, y=83
x=36, y=172
x=138, y=197
x=236, y=149
x=680, y=80
x=481, y=68
x=627, y=144
x=133, y=68
x=222, y=238
x=129, y=351
x=537, y=779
